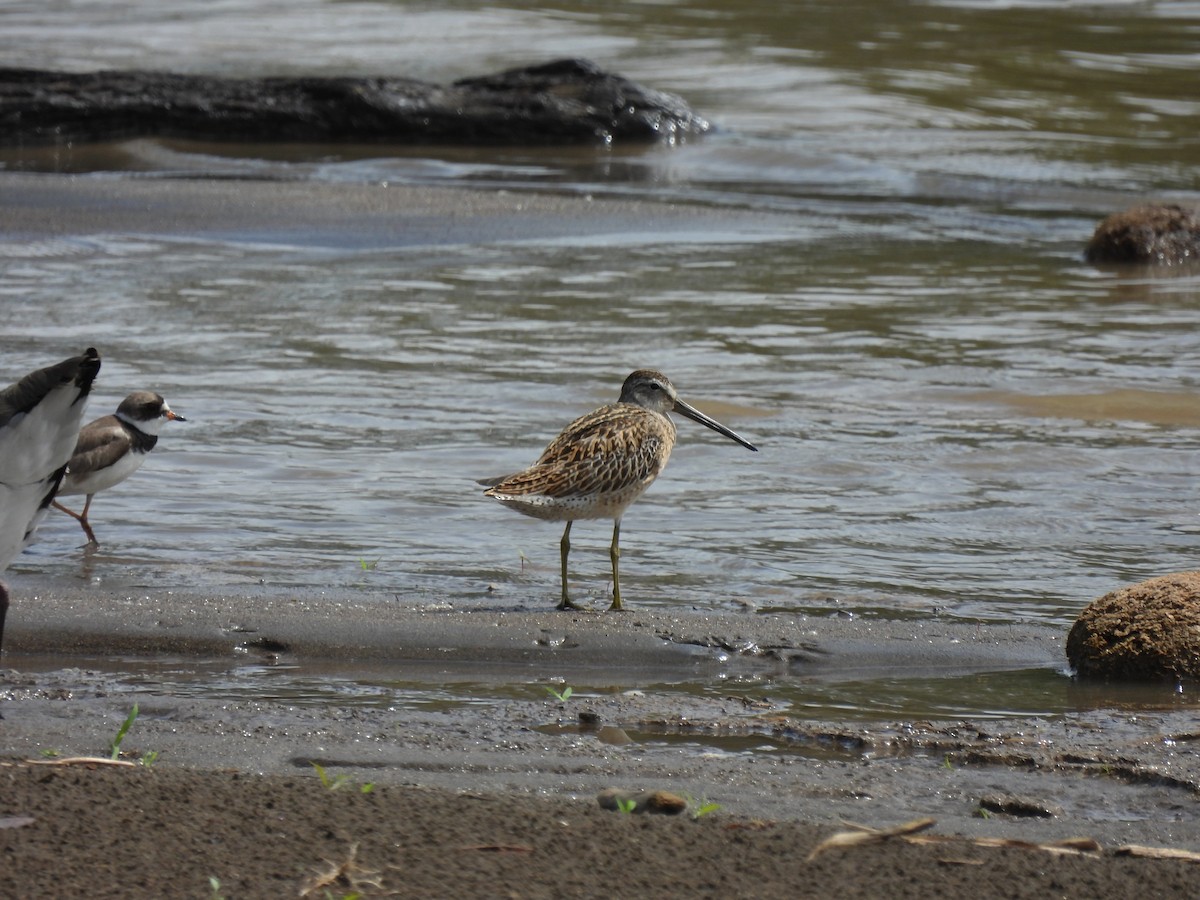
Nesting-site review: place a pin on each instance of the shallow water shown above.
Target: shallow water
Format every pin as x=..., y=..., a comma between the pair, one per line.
x=955, y=414
x=756, y=696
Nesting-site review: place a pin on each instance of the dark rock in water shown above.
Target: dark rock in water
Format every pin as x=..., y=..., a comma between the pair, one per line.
x=564, y=102
x=1150, y=630
x=1167, y=235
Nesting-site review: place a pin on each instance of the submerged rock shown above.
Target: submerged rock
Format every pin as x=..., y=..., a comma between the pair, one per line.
x=1154, y=234
x=1150, y=630
x=568, y=101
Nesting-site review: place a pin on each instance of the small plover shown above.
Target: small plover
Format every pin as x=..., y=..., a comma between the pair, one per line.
x=112, y=448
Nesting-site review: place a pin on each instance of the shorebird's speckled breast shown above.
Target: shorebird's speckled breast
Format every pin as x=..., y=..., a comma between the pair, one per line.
x=599, y=465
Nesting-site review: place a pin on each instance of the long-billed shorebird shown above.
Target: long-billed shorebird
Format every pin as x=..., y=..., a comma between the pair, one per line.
x=112, y=448
x=39, y=424
x=602, y=462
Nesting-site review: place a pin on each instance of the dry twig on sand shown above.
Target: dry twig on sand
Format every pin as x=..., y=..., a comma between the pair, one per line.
x=866, y=835
x=347, y=873
x=80, y=761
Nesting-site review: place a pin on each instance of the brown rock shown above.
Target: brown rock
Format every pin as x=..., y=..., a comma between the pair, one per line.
x=1154, y=234
x=1150, y=630
x=661, y=802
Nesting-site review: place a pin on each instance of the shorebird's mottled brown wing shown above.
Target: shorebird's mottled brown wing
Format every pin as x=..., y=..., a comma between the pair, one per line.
x=100, y=444
x=607, y=451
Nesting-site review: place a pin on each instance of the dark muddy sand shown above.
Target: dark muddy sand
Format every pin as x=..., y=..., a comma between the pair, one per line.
x=498, y=798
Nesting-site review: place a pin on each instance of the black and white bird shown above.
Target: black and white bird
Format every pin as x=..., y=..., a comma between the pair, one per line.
x=112, y=448
x=39, y=425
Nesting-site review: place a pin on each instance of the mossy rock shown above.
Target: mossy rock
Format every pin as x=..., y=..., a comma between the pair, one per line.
x=1155, y=234
x=1150, y=630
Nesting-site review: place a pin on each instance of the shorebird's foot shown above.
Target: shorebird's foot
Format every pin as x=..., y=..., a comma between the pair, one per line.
x=568, y=603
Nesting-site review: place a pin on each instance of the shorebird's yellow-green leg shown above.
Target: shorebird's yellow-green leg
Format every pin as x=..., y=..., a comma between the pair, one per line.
x=614, y=553
x=564, y=547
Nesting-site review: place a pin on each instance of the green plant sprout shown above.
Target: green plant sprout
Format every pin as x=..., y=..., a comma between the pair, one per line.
x=704, y=809
x=334, y=782
x=561, y=696
x=115, y=746
x=337, y=781
x=701, y=807
x=626, y=805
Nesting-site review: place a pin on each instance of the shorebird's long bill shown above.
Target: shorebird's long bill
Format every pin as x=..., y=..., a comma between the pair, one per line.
x=696, y=416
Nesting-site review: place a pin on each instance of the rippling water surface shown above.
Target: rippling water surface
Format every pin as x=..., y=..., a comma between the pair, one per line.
x=955, y=413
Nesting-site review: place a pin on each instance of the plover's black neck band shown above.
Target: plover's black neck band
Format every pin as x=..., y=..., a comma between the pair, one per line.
x=140, y=441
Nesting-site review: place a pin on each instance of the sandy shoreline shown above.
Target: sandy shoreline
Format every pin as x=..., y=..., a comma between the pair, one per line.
x=51, y=617
x=874, y=771
x=1111, y=776
x=348, y=216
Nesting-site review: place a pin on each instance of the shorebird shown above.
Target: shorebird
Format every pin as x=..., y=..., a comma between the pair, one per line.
x=112, y=448
x=602, y=462
x=39, y=424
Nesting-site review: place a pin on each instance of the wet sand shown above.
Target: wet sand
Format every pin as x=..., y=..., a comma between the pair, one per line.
x=348, y=216
x=499, y=798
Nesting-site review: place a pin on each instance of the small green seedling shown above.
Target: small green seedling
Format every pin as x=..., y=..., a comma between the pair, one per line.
x=148, y=759
x=115, y=746
x=336, y=781
x=368, y=566
x=214, y=884
x=701, y=807
x=50, y=754
x=626, y=804
x=946, y=764
x=704, y=809
x=983, y=813
x=561, y=696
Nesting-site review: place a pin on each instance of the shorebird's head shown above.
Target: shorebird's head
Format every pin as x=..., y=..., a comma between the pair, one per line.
x=649, y=389
x=147, y=412
x=653, y=390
